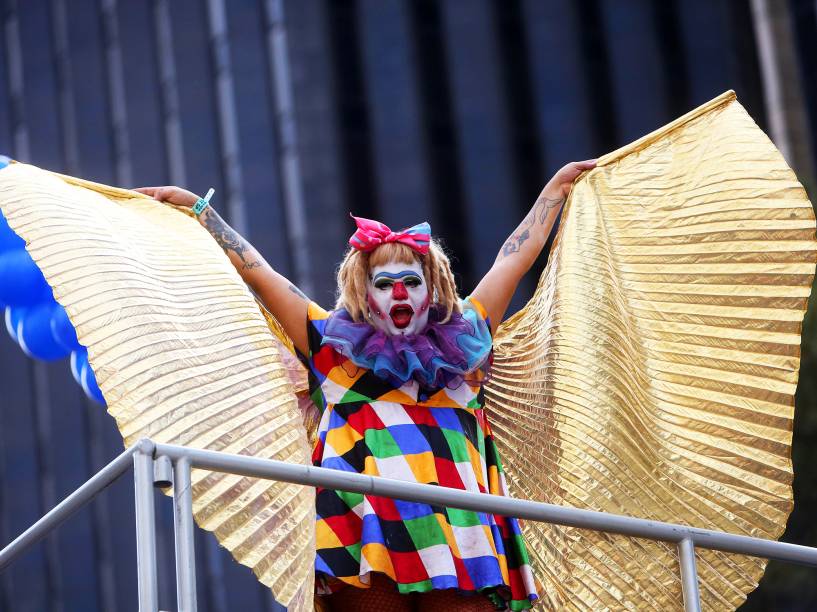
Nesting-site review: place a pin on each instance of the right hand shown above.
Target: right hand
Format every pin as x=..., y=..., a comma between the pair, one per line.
x=171, y=195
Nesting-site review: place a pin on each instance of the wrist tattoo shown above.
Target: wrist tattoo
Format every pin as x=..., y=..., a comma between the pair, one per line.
x=228, y=239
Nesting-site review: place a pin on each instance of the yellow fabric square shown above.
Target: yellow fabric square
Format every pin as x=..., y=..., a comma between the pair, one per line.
x=449, y=535
x=378, y=558
x=342, y=439
x=398, y=397
x=325, y=537
x=370, y=466
x=423, y=467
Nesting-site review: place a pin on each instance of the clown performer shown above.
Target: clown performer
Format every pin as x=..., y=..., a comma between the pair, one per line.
x=398, y=367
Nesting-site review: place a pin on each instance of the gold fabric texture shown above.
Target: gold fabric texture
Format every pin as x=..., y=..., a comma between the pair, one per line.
x=653, y=372
x=181, y=353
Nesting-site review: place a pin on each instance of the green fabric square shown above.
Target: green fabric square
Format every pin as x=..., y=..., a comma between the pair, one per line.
x=462, y=518
x=317, y=398
x=350, y=499
x=521, y=550
x=425, y=531
x=354, y=550
x=517, y=605
x=353, y=396
x=382, y=443
x=423, y=586
x=474, y=403
x=457, y=444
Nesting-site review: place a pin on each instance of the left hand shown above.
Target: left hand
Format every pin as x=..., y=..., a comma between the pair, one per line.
x=559, y=186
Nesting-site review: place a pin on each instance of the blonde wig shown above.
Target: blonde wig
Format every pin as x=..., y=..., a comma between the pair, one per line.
x=356, y=266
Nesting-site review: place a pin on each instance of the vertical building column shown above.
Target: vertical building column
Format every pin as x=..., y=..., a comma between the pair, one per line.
x=316, y=115
x=493, y=204
x=287, y=140
x=14, y=57
x=116, y=93
x=392, y=95
x=227, y=120
x=639, y=97
x=782, y=89
x=39, y=381
x=65, y=84
x=169, y=91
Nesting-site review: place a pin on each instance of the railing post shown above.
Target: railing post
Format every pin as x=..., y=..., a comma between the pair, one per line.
x=145, y=527
x=689, y=576
x=183, y=528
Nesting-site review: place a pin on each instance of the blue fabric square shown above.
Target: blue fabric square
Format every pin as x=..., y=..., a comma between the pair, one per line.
x=336, y=421
x=320, y=566
x=412, y=510
x=371, y=530
x=446, y=418
x=338, y=463
x=483, y=571
x=444, y=582
x=409, y=439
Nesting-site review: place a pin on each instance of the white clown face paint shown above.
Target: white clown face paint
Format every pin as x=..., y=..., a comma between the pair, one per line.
x=398, y=298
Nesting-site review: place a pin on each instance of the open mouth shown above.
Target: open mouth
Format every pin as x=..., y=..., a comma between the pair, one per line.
x=401, y=315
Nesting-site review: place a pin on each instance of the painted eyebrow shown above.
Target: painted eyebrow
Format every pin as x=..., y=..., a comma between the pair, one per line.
x=397, y=276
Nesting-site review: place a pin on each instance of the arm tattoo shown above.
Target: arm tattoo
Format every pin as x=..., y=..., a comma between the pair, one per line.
x=514, y=243
x=539, y=211
x=298, y=292
x=229, y=239
x=545, y=205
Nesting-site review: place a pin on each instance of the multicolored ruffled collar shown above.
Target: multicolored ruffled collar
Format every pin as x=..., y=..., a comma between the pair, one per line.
x=439, y=356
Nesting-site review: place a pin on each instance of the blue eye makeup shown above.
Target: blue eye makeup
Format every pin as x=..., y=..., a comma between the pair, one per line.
x=385, y=280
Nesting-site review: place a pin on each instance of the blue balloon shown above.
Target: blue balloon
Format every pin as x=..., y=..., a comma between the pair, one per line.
x=13, y=316
x=90, y=386
x=84, y=375
x=79, y=363
x=21, y=281
x=62, y=329
x=5, y=160
x=9, y=241
x=35, y=337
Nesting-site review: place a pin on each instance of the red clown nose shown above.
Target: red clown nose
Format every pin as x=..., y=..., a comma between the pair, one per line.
x=399, y=292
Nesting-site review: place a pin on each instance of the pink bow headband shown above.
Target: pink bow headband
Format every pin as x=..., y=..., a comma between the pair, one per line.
x=371, y=234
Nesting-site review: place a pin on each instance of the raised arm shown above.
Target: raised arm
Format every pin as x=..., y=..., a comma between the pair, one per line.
x=523, y=246
x=283, y=299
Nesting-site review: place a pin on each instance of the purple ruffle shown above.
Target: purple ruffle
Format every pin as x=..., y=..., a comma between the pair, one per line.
x=439, y=356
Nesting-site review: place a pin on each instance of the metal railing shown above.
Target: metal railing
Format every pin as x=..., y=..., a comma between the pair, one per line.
x=165, y=464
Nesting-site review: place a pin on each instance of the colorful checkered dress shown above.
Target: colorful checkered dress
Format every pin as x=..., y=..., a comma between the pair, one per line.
x=440, y=437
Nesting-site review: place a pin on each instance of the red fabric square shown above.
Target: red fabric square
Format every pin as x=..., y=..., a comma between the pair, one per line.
x=464, y=580
x=408, y=566
x=384, y=508
x=317, y=453
x=325, y=359
x=363, y=419
x=447, y=474
x=347, y=527
x=421, y=415
x=518, y=589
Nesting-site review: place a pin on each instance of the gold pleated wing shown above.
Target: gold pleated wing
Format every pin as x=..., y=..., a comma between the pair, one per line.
x=653, y=372
x=181, y=353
